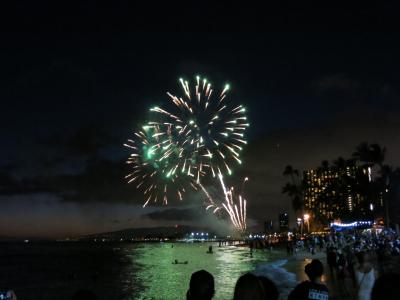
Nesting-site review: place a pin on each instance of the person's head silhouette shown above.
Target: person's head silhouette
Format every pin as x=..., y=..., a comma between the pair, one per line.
x=248, y=287
x=84, y=295
x=314, y=270
x=270, y=289
x=201, y=286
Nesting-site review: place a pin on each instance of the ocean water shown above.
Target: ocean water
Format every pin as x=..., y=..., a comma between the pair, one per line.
x=130, y=271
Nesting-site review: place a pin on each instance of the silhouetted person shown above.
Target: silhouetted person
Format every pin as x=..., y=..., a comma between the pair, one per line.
x=249, y=287
x=332, y=261
x=313, y=288
x=365, y=276
x=201, y=286
x=386, y=287
x=84, y=295
x=270, y=289
x=288, y=247
x=342, y=272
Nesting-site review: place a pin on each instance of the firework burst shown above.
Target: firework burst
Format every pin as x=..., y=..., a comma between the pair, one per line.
x=198, y=133
x=153, y=154
x=207, y=129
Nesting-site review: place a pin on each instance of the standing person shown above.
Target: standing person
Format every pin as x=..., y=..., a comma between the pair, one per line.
x=332, y=261
x=291, y=247
x=351, y=260
x=365, y=276
x=288, y=247
x=312, y=288
x=313, y=245
x=342, y=272
x=321, y=243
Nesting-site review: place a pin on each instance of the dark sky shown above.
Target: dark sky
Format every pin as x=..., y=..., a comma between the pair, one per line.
x=75, y=82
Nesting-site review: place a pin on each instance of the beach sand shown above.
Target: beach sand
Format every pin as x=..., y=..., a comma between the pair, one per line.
x=296, y=264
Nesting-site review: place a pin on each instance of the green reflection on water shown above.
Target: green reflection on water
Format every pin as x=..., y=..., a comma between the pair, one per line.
x=164, y=280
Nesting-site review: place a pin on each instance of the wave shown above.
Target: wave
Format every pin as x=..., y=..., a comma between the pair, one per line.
x=284, y=280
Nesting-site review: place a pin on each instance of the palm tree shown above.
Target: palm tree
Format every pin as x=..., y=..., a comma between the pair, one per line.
x=362, y=153
x=295, y=194
x=340, y=164
x=294, y=189
x=289, y=171
x=370, y=154
x=325, y=165
x=297, y=203
x=378, y=154
x=289, y=189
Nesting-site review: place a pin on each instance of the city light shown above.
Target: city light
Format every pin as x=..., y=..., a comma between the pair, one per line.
x=307, y=219
x=353, y=224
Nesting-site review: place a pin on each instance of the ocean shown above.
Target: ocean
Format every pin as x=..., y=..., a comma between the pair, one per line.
x=130, y=271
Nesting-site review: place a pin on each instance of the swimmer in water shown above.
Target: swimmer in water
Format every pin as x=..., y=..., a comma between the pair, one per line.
x=176, y=262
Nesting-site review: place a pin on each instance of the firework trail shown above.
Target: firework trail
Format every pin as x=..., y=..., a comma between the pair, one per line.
x=207, y=129
x=234, y=205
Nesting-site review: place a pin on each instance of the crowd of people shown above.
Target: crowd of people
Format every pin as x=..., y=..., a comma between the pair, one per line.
x=252, y=287
x=361, y=257
x=355, y=258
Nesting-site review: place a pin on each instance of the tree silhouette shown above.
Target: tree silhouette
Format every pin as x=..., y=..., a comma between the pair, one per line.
x=370, y=154
x=294, y=189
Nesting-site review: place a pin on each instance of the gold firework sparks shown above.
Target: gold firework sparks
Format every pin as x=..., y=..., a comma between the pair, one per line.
x=234, y=205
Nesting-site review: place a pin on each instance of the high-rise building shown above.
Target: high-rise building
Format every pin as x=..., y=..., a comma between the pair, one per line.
x=284, y=221
x=320, y=190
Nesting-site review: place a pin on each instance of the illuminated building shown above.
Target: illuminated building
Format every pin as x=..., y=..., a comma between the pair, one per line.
x=344, y=185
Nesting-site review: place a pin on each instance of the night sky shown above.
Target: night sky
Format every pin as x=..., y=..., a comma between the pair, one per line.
x=76, y=82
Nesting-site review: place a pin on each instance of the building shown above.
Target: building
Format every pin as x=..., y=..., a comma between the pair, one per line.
x=337, y=192
x=284, y=221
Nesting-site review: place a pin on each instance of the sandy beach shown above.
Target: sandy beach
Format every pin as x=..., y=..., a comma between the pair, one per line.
x=296, y=264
